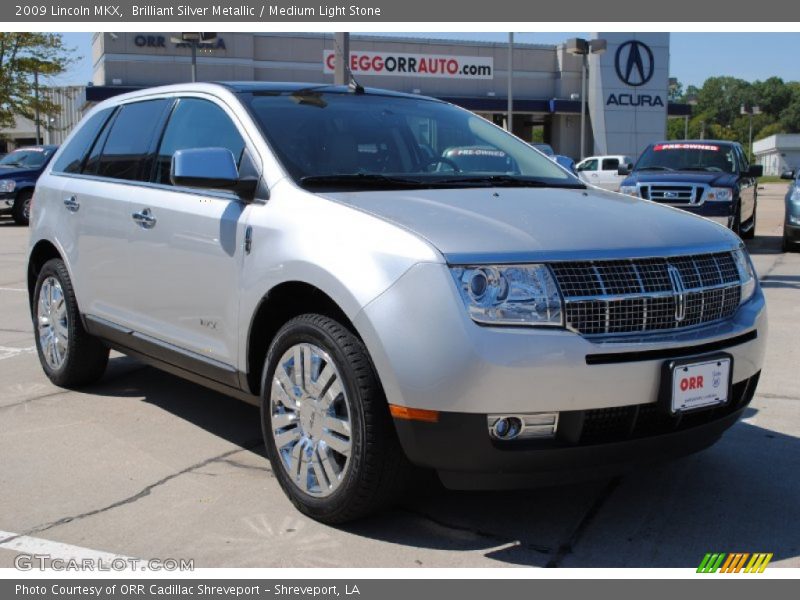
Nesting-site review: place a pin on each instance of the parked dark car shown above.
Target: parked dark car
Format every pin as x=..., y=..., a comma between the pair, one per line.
x=561, y=159
x=709, y=178
x=19, y=171
x=791, y=221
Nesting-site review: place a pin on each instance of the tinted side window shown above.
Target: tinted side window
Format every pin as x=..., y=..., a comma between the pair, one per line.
x=72, y=157
x=589, y=165
x=610, y=164
x=196, y=123
x=128, y=151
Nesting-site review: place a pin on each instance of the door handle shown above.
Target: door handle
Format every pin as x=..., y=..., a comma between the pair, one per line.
x=144, y=218
x=72, y=204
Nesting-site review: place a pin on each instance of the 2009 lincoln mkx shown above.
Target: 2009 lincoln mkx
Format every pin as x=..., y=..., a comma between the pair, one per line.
x=397, y=282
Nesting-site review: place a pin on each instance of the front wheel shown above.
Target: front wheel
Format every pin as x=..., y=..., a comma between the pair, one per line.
x=751, y=231
x=22, y=208
x=69, y=356
x=326, y=423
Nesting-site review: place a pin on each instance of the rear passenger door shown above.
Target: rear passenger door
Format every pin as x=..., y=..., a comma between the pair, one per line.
x=608, y=178
x=187, y=251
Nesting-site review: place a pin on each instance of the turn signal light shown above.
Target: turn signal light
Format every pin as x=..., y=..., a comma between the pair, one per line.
x=414, y=414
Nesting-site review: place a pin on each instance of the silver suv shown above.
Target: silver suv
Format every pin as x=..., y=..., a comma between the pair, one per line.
x=398, y=283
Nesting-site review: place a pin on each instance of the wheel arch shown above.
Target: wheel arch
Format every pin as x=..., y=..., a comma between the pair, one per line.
x=283, y=302
x=43, y=251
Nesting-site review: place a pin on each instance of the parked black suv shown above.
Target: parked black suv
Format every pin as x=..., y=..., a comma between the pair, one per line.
x=706, y=177
x=19, y=171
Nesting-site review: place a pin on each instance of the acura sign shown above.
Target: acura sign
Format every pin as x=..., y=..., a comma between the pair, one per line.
x=634, y=64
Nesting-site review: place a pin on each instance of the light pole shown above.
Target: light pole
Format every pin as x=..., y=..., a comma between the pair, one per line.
x=692, y=102
x=510, y=117
x=750, y=111
x=194, y=40
x=581, y=47
x=341, y=65
x=36, y=105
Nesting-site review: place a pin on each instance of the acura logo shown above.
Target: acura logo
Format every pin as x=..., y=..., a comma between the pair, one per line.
x=680, y=292
x=634, y=63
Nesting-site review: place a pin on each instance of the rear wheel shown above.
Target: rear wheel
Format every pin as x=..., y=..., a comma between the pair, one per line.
x=22, y=208
x=69, y=356
x=326, y=424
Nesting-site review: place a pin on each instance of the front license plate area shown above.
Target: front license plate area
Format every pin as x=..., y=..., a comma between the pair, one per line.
x=695, y=384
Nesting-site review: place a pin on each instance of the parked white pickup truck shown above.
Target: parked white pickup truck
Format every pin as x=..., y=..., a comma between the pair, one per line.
x=602, y=170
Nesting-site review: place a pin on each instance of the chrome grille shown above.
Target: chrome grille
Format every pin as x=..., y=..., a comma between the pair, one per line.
x=671, y=193
x=652, y=294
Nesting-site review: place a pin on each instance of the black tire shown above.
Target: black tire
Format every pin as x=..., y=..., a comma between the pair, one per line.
x=378, y=470
x=21, y=210
x=787, y=244
x=751, y=232
x=736, y=223
x=86, y=357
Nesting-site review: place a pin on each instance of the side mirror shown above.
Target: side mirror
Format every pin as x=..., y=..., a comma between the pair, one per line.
x=212, y=168
x=787, y=175
x=755, y=171
x=624, y=169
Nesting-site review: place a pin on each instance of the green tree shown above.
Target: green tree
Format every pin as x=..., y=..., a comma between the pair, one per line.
x=722, y=98
x=22, y=55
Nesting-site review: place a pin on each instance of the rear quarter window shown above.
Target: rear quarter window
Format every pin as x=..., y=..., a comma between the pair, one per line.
x=71, y=159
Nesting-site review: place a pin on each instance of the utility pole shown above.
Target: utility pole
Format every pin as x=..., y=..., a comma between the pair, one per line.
x=581, y=47
x=36, y=107
x=510, y=116
x=341, y=65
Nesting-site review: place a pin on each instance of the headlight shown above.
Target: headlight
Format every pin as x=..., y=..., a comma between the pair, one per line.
x=630, y=190
x=719, y=194
x=795, y=197
x=509, y=295
x=7, y=185
x=747, y=274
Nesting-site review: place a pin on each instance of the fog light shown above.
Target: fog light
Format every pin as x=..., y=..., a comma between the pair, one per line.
x=524, y=426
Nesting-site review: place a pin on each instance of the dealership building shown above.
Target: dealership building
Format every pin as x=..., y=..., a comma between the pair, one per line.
x=626, y=92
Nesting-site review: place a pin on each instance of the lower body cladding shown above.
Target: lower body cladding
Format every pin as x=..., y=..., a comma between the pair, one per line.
x=517, y=407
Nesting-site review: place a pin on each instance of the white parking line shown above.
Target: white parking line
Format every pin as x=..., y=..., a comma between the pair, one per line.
x=8, y=352
x=7, y=289
x=33, y=545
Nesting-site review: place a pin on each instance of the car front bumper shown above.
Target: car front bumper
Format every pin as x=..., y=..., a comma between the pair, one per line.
x=430, y=355
x=6, y=202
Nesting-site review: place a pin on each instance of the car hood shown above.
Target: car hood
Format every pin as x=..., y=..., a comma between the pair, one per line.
x=525, y=224
x=16, y=172
x=687, y=177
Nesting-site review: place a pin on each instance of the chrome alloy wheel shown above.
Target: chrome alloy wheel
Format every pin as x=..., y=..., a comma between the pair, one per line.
x=26, y=208
x=52, y=322
x=310, y=420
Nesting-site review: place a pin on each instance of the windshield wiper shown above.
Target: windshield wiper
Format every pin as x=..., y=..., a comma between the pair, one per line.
x=360, y=180
x=11, y=164
x=507, y=181
x=655, y=168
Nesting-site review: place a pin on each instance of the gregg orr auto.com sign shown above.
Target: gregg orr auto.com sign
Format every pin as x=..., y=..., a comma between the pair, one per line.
x=417, y=65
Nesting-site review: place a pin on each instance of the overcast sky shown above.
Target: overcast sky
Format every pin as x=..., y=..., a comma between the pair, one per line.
x=693, y=56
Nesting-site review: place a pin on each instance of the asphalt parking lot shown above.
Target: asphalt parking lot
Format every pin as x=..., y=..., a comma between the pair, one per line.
x=146, y=465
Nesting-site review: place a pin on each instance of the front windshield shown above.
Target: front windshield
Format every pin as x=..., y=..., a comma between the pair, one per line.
x=29, y=158
x=678, y=156
x=324, y=138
